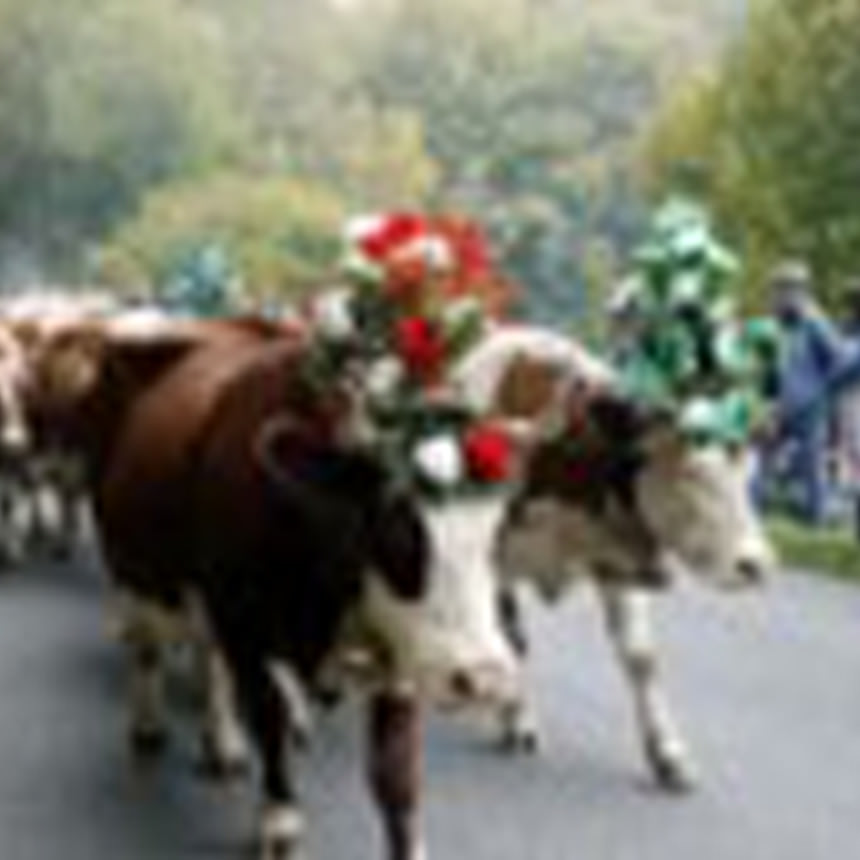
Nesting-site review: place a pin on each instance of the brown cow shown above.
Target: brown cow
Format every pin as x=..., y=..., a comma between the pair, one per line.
x=223, y=477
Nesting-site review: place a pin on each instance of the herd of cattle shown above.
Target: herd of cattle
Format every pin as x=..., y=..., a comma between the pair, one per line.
x=243, y=510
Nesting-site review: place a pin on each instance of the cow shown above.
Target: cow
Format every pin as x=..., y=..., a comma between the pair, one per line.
x=610, y=492
x=14, y=440
x=41, y=488
x=225, y=482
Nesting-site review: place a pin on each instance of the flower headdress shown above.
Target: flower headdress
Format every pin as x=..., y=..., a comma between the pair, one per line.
x=688, y=351
x=420, y=292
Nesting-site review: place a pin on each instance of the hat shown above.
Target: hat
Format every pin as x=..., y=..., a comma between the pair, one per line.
x=791, y=274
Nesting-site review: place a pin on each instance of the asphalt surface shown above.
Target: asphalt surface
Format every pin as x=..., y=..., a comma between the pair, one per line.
x=767, y=686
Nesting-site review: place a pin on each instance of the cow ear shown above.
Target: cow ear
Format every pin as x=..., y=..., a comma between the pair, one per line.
x=620, y=418
x=26, y=332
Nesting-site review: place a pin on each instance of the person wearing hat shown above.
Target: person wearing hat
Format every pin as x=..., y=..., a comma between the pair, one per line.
x=813, y=353
x=847, y=404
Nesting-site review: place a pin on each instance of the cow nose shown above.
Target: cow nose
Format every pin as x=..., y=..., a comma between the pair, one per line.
x=464, y=686
x=488, y=683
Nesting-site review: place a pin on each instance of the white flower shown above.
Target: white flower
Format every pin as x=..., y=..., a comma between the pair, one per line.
x=383, y=376
x=332, y=314
x=362, y=226
x=439, y=459
x=434, y=251
x=698, y=416
x=437, y=253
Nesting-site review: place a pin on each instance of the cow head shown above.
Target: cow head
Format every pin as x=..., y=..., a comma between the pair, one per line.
x=617, y=490
x=447, y=638
x=65, y=365
x=696, y=499
x=427, y=590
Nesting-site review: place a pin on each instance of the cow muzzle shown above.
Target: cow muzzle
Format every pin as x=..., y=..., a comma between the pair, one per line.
x=489, y=684
x=752, y=570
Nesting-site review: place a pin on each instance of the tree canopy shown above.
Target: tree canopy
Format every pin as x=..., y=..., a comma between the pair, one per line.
x=773, y=135
x=521, y=114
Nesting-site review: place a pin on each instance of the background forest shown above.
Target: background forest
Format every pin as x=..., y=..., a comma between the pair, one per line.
x=132, y=132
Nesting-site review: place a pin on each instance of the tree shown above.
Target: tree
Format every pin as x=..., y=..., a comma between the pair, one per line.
x=280, y=235
x=100, y=99
x=775, y=131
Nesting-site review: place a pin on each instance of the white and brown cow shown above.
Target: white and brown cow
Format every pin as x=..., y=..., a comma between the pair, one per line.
x=43, y=510
x=613, y=494
x=15, y=440
x=222, y=479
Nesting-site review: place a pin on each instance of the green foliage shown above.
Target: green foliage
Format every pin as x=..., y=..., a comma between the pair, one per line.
x=282, y=235
x=100, y=99
x=827, y=549
x=776, y=132
x=519, y=113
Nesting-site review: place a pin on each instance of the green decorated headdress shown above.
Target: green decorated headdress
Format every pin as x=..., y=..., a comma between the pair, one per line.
x=690, y=353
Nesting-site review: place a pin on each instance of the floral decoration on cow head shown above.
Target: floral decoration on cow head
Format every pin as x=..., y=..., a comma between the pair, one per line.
x=421, y=291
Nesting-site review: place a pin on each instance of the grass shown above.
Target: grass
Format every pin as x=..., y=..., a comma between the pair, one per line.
x=828, y=549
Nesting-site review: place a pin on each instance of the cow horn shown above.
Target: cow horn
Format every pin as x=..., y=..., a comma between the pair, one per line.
x=274, y=428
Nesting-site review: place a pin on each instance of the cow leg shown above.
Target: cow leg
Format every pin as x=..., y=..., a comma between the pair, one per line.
x=518, y=719
x=38, y=532
x=268, y=719
x=11, y=551
x=146, y=627
x=71, y=509
x=148, y=730
x=54, y=524
x=394, y=770
x=282, y=823
x=223, y=744
x=224, y=748
x=63, y=534
x=629, y=621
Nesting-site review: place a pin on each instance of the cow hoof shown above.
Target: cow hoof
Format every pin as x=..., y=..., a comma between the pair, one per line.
x=522, y=740
x=221, y=768
x=519, y=729
x=673, y=773
x=222, y=762
x=147, y=741
x=281, y=834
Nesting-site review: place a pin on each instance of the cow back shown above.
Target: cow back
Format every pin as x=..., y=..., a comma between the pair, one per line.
x=142, y=469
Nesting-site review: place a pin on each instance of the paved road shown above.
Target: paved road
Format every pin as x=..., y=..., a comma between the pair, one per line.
x=769, y=687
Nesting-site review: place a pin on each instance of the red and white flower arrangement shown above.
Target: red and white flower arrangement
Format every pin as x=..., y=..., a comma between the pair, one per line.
x=422, y=289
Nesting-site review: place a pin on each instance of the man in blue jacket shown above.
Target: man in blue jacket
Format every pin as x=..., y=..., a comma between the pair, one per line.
x=813, y=356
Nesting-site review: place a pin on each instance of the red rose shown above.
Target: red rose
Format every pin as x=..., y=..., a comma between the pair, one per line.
x=397, y=230
x=489, y=453
x=419, y=344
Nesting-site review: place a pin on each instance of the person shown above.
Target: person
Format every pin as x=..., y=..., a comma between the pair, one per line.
x=847, y=407
x=813, y=352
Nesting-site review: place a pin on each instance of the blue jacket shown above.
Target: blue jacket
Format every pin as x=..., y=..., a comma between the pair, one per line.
x=814, y=361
